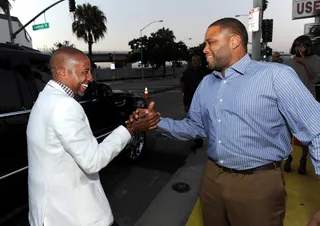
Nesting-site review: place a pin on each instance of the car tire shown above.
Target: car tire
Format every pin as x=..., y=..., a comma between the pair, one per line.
x=136, y=145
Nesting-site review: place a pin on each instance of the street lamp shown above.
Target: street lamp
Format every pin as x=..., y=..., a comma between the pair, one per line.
x=186, y=39
x=239, y=15
x=141, y=48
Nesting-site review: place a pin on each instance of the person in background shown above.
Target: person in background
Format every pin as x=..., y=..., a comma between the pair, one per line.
x=189, y=81
x=276, y=57
x=307, y=65
x=315, y=220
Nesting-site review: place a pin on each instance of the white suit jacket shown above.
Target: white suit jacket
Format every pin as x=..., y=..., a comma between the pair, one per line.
x=64, y=160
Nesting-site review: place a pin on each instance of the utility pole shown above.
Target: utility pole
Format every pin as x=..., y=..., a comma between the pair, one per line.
x=256, y=35
x=317, y=20
x=141, y=52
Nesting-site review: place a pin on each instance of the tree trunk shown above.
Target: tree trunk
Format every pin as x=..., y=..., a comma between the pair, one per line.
x=90, y=42
x=90, y=51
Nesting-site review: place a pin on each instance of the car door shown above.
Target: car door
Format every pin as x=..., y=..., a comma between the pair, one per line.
x=100, y=109
x=14, y=115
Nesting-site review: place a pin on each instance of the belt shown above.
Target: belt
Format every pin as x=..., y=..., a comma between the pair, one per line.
x=269, y=166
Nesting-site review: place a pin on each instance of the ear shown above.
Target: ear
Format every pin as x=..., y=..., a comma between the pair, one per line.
x=61, y=72
x=235, y=41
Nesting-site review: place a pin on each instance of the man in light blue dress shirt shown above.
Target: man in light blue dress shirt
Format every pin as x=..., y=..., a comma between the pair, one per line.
x=249, y=111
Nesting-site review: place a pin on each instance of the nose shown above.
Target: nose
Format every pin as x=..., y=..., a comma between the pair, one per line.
x=205, y=50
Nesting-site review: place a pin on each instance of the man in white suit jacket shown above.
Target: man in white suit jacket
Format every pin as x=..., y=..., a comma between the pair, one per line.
x=64, y=157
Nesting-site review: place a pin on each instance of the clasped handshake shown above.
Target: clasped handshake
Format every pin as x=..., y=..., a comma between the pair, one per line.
x=143, y=119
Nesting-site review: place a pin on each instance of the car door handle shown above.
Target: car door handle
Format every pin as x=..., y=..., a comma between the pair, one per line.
x=120, y=103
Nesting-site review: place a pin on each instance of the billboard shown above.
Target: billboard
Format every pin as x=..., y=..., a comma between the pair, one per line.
x=305, y=8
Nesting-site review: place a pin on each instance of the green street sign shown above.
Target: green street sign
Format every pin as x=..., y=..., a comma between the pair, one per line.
x=40, y=26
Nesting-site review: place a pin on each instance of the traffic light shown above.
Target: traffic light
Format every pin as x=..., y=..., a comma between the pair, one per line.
x=267, y=29
x=269, y=51
x=72, y=5
x=110, y=57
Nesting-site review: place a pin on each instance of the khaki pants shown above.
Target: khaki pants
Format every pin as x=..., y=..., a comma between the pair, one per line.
x=234, y=199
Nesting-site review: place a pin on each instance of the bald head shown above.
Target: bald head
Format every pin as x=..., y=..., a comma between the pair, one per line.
x=65, y=57
x=71, y=67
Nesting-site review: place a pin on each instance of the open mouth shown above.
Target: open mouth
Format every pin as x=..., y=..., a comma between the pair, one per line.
x=209, y=57
x=84, y=86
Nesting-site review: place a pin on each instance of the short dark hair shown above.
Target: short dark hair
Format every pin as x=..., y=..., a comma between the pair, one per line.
x=235, y=26
x=302, y=40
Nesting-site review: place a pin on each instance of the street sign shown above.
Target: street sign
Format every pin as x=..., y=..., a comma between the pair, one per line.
x=112, y=66
x=305, y=8
x=254, y=19
x=40, y=26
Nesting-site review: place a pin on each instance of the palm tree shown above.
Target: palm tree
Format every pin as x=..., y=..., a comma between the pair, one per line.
x=89, y=24
x=58, y=45
x=5, y=6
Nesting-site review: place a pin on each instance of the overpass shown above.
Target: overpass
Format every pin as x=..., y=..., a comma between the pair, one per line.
x=103, y=56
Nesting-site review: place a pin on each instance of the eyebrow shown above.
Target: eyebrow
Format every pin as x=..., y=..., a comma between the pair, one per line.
x=210, y=39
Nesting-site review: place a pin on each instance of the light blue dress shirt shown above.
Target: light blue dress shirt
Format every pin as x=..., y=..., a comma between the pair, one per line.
x=250, y=115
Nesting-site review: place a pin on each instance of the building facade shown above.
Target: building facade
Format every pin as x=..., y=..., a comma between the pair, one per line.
x=23, y=38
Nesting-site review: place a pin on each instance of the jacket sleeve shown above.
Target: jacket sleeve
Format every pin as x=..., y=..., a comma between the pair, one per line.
x=75, y=135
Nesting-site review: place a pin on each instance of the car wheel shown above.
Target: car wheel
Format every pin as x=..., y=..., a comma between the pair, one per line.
x=136, y=145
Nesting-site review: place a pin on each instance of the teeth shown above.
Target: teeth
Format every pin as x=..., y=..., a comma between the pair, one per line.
x=85, y=86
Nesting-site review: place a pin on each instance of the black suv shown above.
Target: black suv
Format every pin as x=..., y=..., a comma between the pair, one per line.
x=23, y=74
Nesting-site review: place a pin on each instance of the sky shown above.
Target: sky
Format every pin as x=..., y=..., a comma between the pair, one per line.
x=125, y=18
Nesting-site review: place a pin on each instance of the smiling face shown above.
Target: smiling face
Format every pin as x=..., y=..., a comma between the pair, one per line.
x=78, y=74
x=72, y=68
x=218, y=49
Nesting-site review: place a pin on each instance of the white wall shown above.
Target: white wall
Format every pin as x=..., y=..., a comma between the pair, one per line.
x=23, y=38
x=130, y=73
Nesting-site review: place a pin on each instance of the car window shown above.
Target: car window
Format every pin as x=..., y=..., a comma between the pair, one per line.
x=41, y=72
x=9, y=95
x=26, y=83
x=90, y=93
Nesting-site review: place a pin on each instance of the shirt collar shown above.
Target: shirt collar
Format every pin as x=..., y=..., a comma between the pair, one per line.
x=68, y=91
x=240, y=66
